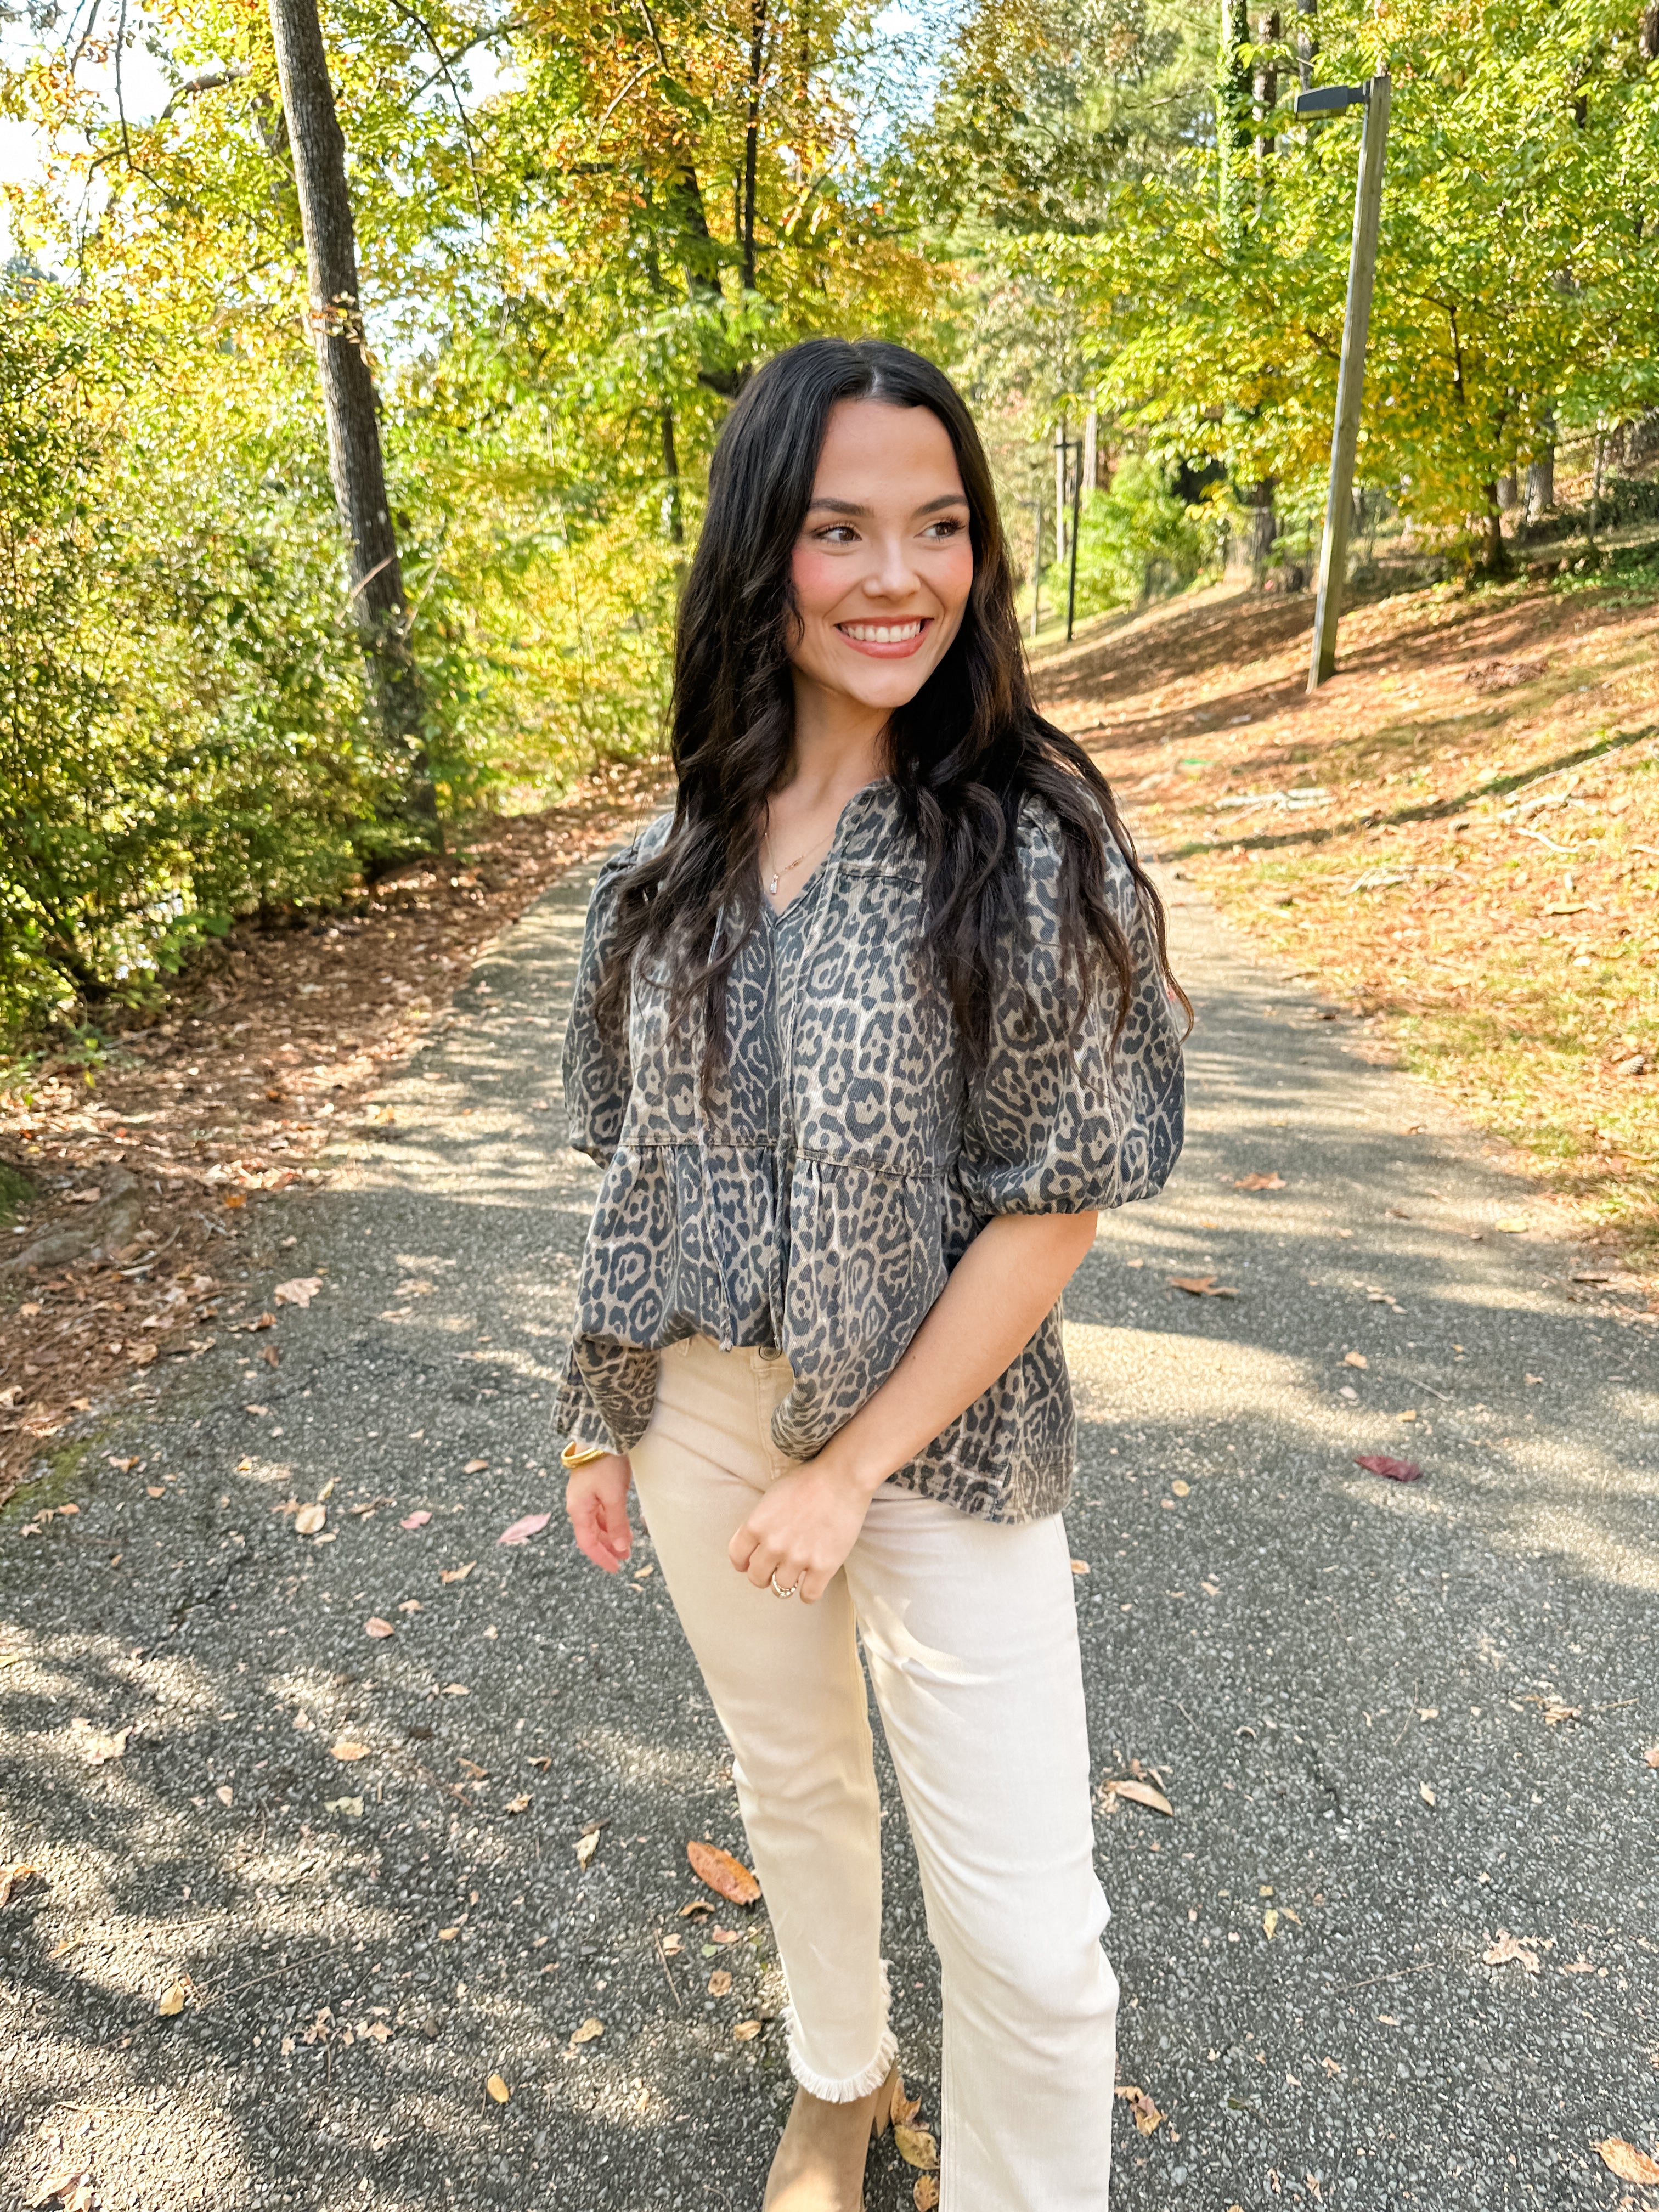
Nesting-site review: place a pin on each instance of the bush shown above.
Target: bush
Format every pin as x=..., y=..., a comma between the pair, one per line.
x=1137, y=542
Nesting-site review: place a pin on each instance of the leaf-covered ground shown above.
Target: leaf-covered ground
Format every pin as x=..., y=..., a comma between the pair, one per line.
x=1459, y=837
x=128, y=1157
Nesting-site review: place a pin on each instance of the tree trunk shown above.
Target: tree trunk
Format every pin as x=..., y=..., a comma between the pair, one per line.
x=1509, y=493
x=751, y=136
x=1232, y=120
x=673, y=525
x=1092, y=450
x=355, y=459
x=699, y=260
x=1540, y=482
x=1496, y=559
x=1265, y=99
x=1649, y=32
x=1307, y=40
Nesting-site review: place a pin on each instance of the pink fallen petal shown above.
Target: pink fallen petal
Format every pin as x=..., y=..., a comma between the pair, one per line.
x=522, y=1531
x=415, y=1520
x=1396, y=1470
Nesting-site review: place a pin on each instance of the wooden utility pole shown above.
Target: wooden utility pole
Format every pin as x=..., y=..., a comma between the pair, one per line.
x=354, y=460
x=1351, y=374
x=1077, y=525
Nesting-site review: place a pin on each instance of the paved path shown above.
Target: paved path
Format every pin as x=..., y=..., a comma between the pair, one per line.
x=1399, y=1719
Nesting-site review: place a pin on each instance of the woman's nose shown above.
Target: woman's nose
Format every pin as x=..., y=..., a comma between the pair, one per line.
x=893, y=575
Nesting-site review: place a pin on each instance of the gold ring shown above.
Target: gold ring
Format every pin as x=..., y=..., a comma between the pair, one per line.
x=776, y=1592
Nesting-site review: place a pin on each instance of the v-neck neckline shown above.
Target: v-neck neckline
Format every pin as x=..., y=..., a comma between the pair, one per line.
x=778, y=914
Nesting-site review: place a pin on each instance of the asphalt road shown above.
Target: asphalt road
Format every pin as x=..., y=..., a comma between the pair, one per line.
x=1394, y=1722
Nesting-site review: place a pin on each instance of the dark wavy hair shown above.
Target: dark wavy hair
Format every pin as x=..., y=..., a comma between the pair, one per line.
x=963, y=755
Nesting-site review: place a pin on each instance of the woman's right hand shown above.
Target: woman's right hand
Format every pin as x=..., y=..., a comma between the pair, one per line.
x=596, y=1498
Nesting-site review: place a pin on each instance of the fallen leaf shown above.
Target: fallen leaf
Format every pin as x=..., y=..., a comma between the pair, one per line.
x=1260, y=1182
x=224, y=1793
x=1395, y=1470
x=498, y=2088
x=378, y=2032
x=1650, y=1756
x=415, y=1520
x=903, y=2108
x=299, y=1291
x=1181, y=1489
x=747, y=2030
x=1147, y=2117
x=171, y=2002
x=1201, y=1286
x=718, y=1934
x=348, y=1750
x=1269, y=1923
x=1627, y=2162
x=643, y=1574
x=154, y=1489
x=472, y=1767
x=13, y=1877
x=723, y=1874
x=475, y=1467
x=309, y=1519
x=1139, y=1793
x=585, y=1847
x=518, y=1804
x=532, y=1524
x=351, y=1806
x=719, y=1983
x=375, y=1626
x=925, y=2194
x=94, y=1745
x=1508, y=1948
x=1425, y=1792
x=1355, y=1359
x=697, y=1904
x=587, y=2032
x=1512, y=1226
x=916, y=2147
x=409, y=1605
x=456, y=1574
x=71, y=2187
x=1080, y=1566
x=447, y=1935
x=236, y=1198
x=672, y=1944
x=456, y=1690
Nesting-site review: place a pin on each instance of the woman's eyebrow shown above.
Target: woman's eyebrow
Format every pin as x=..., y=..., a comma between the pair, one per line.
x=852, y=507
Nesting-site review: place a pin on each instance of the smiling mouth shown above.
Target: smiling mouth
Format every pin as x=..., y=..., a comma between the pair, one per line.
x=893, y=638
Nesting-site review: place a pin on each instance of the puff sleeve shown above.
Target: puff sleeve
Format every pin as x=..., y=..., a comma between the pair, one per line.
x=1063, y=1119
x=596, y=1074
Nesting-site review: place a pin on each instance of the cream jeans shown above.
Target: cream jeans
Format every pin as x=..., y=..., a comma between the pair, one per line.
x=970, y=1633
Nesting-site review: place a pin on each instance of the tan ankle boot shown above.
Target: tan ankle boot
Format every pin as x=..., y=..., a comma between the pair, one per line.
x=820, y=2165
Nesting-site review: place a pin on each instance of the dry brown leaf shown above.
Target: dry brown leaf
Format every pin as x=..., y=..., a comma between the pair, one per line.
x=1147, y=2117
x=586, y=1846
x=916, y=2147
x=1201, y=1286
x=903, y=2108
x=415, y=1520
x=521, y=1531
x=347, y=1750
x=375, y=1626
x=309, y=1519
x=447, y=1935
x=224, y=1793
x=1181, y=1489
x=697, y=1904
x=587, y=2032
x=1139, y=1793
x=70, y=2187
x=518, y=1804
x=719, y=1983
x=1260, y=1182
x=1630, y=2164
x=1355, y=1359
x=1650, y=1756
x=672, y=1944
x=747, y=2030
x=1507, y=1948
x=1269, y=1923
x=171, y=2002
x=456, y=1574
x=1425, y=1792
x=13, y=1877
x=475, y=1467
x=299, y=1291
x=498, y=2088
x=724, y=1935
x=1080, y=1566
x=725, y=1875
x=925, y=2194
x=471, y=1768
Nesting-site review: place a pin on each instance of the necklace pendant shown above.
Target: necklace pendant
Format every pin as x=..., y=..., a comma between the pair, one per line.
x=772, y=888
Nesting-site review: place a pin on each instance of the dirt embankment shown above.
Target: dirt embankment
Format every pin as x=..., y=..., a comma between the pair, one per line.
x=1459, y=837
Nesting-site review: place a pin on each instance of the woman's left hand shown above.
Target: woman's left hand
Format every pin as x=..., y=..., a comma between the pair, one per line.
x=801, y=1531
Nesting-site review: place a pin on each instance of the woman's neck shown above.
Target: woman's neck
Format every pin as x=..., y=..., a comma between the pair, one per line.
x=839, y=745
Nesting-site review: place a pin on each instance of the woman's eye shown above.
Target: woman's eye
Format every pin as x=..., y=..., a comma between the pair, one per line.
x=947, y=526
x=838, y=533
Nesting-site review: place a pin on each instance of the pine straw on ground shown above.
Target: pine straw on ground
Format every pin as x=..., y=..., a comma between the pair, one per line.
x=223, y=1092
x=1459, y=835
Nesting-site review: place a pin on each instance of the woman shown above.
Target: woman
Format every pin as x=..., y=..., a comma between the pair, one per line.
x=865, y=1035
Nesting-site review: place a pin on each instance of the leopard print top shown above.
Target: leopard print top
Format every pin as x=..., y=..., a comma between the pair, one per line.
x=814, y=1200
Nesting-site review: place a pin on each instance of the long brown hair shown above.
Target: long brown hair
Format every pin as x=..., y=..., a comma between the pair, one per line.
x=963, y=755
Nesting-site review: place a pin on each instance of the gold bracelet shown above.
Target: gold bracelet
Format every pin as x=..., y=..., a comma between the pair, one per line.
x=575, y=1455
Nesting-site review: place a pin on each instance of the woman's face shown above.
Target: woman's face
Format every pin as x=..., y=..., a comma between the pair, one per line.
x=883, y=563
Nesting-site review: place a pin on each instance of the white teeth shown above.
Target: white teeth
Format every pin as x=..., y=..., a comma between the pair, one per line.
x=882, y=633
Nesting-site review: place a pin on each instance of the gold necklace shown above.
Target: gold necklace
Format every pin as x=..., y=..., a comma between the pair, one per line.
x=789, y=869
